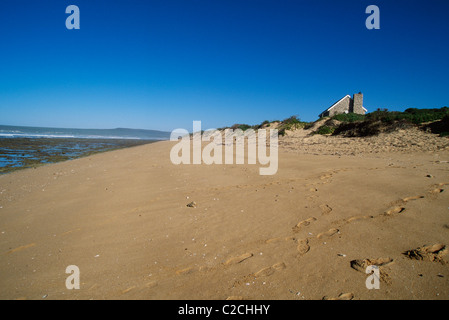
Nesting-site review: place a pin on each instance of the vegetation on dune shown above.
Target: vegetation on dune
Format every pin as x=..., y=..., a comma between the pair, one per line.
x=242, y=127
x=349, y=117
x=325, y=130
x=413, y=115
x=370, y=128
x=382, y=120
x=291, y=123
x=440, y=127
x=356, y=125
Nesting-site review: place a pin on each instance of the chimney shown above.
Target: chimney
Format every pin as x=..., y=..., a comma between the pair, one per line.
x=358, y=103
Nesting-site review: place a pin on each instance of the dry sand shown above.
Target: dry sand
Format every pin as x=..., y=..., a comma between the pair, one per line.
x=335, y=206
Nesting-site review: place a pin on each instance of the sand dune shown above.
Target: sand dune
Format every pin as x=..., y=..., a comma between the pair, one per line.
x=307, y=232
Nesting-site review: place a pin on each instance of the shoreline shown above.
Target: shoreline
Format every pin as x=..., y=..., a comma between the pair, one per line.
x=21, y=153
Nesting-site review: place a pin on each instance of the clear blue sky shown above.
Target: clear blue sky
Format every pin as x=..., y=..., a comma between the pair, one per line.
x=160, y=64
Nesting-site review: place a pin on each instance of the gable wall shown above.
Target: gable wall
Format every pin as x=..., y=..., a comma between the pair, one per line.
x=340, y=107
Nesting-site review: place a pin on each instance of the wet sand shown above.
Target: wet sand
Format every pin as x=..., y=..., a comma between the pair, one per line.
x=18, y=153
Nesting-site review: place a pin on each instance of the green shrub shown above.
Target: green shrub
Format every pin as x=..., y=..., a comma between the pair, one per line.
x=325, y=130
x=370, y=127
x=291, y=120
x=290, y=123
x=349, y=117
x=439, y=127
x=413, y=115
x=308, y=125
x=383, y=120
x=242, y=127
x=258, y=126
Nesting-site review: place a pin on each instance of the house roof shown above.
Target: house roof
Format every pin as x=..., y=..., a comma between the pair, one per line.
x=346, y=96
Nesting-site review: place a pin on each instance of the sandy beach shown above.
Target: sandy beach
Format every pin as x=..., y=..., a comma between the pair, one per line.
x=334, y=206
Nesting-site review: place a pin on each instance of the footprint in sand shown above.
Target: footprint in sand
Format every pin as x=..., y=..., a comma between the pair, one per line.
x=148, y=285
x=436, y=191
x=433, y=253
x=151, y=284
x=128, y=290
x=303, y=246
x=412, y=198
x=361, y=265
x=21, y=248
x=326, y=176
x=325, y=209
x=394, y=210
x=279, y=239
x=185, y=271
x=238, y=259
x=328, y=233
x=265, y=272
x=342, y=296
x=433, y=193
x=356, y=218
x=303, y=223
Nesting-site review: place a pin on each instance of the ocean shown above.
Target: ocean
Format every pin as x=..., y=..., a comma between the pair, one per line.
x=27, y=147
x=118, y=133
